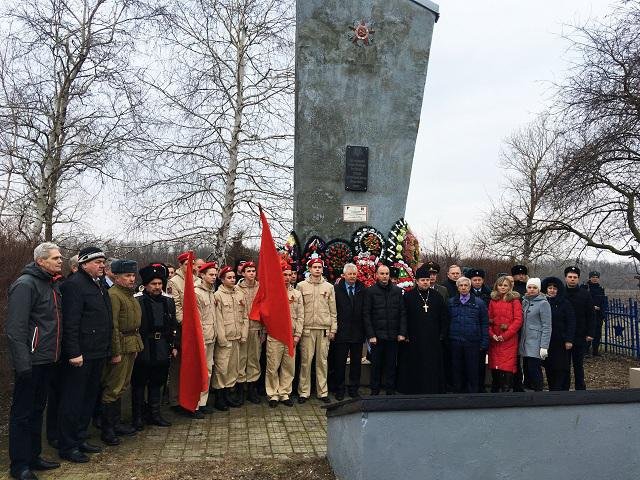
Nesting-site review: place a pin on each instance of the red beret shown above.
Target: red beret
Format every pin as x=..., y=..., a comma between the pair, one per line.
x=285, y=265
x=184, y=256
x=247, y=265
x=224, y=270
x=208, y=265
x=313, y=261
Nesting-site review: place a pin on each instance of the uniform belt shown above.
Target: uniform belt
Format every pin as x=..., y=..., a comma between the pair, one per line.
x=129, y=333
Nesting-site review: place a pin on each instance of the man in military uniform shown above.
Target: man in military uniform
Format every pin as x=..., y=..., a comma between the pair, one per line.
x=249, y=368
x=205, y=291
x=520, y=276
x=320, y=326
x=231, y=314
x=125, y=345
x=157, y=330
x=434, y=270
x=280, y=366
x=598, y=296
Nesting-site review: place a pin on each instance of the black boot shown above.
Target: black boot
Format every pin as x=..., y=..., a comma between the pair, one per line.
x=118, y=427
x=155, y=417
x=108, y=436
x=240, y=393
x=220, y=403
x=228, y=398
x=252, y=392
x=137, y=407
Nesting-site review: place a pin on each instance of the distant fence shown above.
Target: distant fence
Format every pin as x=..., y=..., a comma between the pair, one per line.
x=621, y=333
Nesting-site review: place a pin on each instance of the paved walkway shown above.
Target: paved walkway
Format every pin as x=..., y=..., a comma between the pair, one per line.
x=254, y=431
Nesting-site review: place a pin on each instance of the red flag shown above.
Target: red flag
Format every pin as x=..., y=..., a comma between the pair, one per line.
x=194, y=377
x=271, y=304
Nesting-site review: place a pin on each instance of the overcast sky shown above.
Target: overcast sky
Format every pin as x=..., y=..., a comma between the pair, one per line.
x=491, y=70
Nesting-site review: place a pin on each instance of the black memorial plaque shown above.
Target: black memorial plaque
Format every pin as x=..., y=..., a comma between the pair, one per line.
x=356, y=169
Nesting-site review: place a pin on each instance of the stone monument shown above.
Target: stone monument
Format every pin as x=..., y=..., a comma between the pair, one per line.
x=361, y=68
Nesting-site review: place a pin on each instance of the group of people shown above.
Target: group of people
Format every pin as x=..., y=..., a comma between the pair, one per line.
x=78, y=343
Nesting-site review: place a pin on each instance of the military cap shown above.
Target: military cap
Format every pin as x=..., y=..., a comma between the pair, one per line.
x=519, y=270
x=572, y=269
x=594, y=273
x=432, y=266
x=124, y=266
x=475, y=272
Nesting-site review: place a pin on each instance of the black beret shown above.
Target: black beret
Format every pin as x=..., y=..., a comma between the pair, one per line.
x=90, y=253
x=423, y=271
x=519, y=270
x=594, y=273
x=124, y=266
x=571, y=270
x=153, y=271
x=475, y=272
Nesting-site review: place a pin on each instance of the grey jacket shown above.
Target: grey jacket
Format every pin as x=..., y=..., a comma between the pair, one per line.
x=536, y=326
x=34, y=319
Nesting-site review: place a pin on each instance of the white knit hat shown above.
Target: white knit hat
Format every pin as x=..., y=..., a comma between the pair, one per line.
x=534, y=281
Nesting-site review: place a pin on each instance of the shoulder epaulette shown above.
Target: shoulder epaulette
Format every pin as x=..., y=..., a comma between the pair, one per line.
x=138, y=294
x=165, y=294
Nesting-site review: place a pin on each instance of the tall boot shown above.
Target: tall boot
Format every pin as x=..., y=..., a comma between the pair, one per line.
x=252, y=392
x=220, y=403
x=108, y=435
x=154, y=406
x=137, y=407
x=119, y=427
x=228, y=398
x=240, y=393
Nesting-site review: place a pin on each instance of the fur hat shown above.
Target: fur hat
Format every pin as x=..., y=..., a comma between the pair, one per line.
x=124, y=266
x=153, y=271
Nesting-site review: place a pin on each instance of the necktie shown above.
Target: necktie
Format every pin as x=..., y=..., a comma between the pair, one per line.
x=350, y=291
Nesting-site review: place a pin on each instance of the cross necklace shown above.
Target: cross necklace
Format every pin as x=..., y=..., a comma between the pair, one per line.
x=425, y=300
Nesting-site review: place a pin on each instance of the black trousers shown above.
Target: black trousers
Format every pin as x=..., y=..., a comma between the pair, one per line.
x=464, y=367
x=340, y=352
x=533, y=373
x=80, y=388
x=383, y=362
x=576, y=358
x=595, y=343
x=53, y=402
x=556, y=379
x=25, y=418
x=501, y=381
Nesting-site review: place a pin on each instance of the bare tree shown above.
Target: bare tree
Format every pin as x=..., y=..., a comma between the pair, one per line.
x=67, y=105
x=225, y=109
x=599, y=188
x=513, y=228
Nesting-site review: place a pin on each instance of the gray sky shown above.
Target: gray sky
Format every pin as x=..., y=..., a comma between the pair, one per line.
x=491, y=70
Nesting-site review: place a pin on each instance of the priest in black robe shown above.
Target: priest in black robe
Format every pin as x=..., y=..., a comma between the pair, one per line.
x=420, y=358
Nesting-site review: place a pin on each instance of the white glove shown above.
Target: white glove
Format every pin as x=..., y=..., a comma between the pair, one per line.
x=543, y=353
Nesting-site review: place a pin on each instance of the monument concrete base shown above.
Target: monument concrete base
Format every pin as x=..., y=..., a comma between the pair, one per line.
x=515, y=436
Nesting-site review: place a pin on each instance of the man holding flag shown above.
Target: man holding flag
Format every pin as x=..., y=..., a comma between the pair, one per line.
x=280, y=365
x=194, y=377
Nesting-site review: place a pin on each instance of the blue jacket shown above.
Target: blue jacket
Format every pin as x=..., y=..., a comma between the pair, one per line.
x=469, y=321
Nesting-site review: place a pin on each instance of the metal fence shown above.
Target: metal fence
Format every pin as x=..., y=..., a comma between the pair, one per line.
x=621, y=333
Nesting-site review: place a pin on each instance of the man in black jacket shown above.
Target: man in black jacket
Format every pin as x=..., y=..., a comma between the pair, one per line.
x=86, y=344
x=453, y=274
x=385, y=324
x=33, y=330
x=598, y=296
x=350, y=335
x=520, y=276
x=585, y=326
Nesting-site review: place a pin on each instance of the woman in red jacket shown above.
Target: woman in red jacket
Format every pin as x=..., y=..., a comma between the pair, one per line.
x=505, y=320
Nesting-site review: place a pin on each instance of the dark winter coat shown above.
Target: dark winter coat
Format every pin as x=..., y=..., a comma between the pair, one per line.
x=505, y=320
x=157, y=328
x=484, y=293
x=469, y=322
x=451, y=287
x=520, y=287
x=585, y=315
x=383, y=312
x=349, y=313
x=34, y=319
x=563, y=325
x=87, y=318
x=598, y=297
